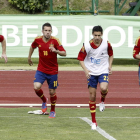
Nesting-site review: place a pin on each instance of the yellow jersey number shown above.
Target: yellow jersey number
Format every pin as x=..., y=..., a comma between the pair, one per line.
x=45, y=53
x=55, y=83
x=105, y=78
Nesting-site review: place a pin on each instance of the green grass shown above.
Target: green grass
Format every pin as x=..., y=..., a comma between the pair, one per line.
x=61, y=61
x=16, y=124
x=64, y=64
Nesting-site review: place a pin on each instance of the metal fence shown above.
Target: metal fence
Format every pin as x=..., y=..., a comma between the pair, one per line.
x=93, y=9
x=113, y=7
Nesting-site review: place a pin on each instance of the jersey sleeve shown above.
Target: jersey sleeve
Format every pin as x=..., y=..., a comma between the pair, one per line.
x=136, y=49
x=1, y=38
x=110, y=50
x=82, y=54
x=34, y=44
x=58, y=45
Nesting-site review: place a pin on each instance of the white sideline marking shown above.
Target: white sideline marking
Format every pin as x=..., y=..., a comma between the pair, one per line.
x=76, y=105
x=101, y=131
x=15, y=70
x=76, y=117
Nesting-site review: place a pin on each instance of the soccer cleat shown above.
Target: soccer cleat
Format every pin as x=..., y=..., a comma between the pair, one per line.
x=44, y=107
x=93, y=126
x=52, y=114
x=102, y=107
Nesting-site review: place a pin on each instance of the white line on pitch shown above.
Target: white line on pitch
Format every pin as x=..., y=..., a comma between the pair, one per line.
x=76, y=105
x=75, y=117
x=99, y=130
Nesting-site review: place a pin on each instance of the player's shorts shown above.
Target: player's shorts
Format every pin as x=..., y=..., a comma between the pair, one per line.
x=52, y=80
x=93, y=80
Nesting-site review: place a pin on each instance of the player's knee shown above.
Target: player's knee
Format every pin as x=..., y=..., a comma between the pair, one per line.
x=37, y=86
x=51, y=91
x=103, y=89
x=93, y=97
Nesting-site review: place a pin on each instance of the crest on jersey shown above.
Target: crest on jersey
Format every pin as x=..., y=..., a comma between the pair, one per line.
x=39, y=45
x=51, y=45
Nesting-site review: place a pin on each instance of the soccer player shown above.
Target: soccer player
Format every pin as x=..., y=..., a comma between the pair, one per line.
x=96, y=57
x=48, y=47
x=3, y=43
x=136, y=55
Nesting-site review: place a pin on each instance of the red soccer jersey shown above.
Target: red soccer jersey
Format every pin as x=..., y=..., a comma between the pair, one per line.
x=82, y=54
x=47, y=59
x=136, y=49
x=1, y=38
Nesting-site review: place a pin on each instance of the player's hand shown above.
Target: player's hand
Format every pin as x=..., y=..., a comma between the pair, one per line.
x=52, y=49
x=5, y=57
x=110, y=70
x=30, y=62
x=87, y=73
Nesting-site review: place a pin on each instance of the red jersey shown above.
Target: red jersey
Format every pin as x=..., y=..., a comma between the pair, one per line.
x=82, y=54
x=1, y=38
x=136, y=49
x=47, y=59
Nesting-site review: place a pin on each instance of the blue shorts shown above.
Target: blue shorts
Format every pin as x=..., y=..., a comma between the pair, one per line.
x=51, y=79
x=93, y=80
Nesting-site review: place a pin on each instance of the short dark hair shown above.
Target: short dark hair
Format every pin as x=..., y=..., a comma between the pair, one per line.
x=46, y=24
x=97, y=29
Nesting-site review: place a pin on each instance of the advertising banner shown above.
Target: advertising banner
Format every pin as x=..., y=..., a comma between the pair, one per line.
x=72, y=31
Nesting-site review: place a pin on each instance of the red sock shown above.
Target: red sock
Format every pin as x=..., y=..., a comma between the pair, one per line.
x=92, y=106
x=53, y=99
x=41, y=95
x=103, y=95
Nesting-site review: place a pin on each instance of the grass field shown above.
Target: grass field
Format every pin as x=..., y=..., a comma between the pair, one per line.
x=65, y=64
x=120, y=123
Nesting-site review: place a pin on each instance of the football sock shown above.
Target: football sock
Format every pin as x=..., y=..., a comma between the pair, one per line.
x=53, y=99
x=41, y=95
x=103, y=95
x=92, y=106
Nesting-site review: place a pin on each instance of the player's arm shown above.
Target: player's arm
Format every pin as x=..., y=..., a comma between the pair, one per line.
x=33, y=46
x=110, y=53
x=29, y=56
x=61, y=53
x=58, y=48
x=3, y=43
x=81, y=56
x=110, y=64
x=136, y=49
x=85, y=69
x=137, y=57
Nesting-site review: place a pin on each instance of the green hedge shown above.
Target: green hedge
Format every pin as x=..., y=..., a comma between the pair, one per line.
x=30, y=6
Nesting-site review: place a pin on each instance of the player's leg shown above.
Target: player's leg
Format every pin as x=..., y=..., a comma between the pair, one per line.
x=53, y=99
x=92, y=85
x=38, y=82
x=92, y=103
x=53, y=83
x=103, y=80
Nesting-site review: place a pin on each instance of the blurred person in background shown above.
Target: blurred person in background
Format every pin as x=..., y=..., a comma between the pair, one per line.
x=136, y=55
x=3, y=44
